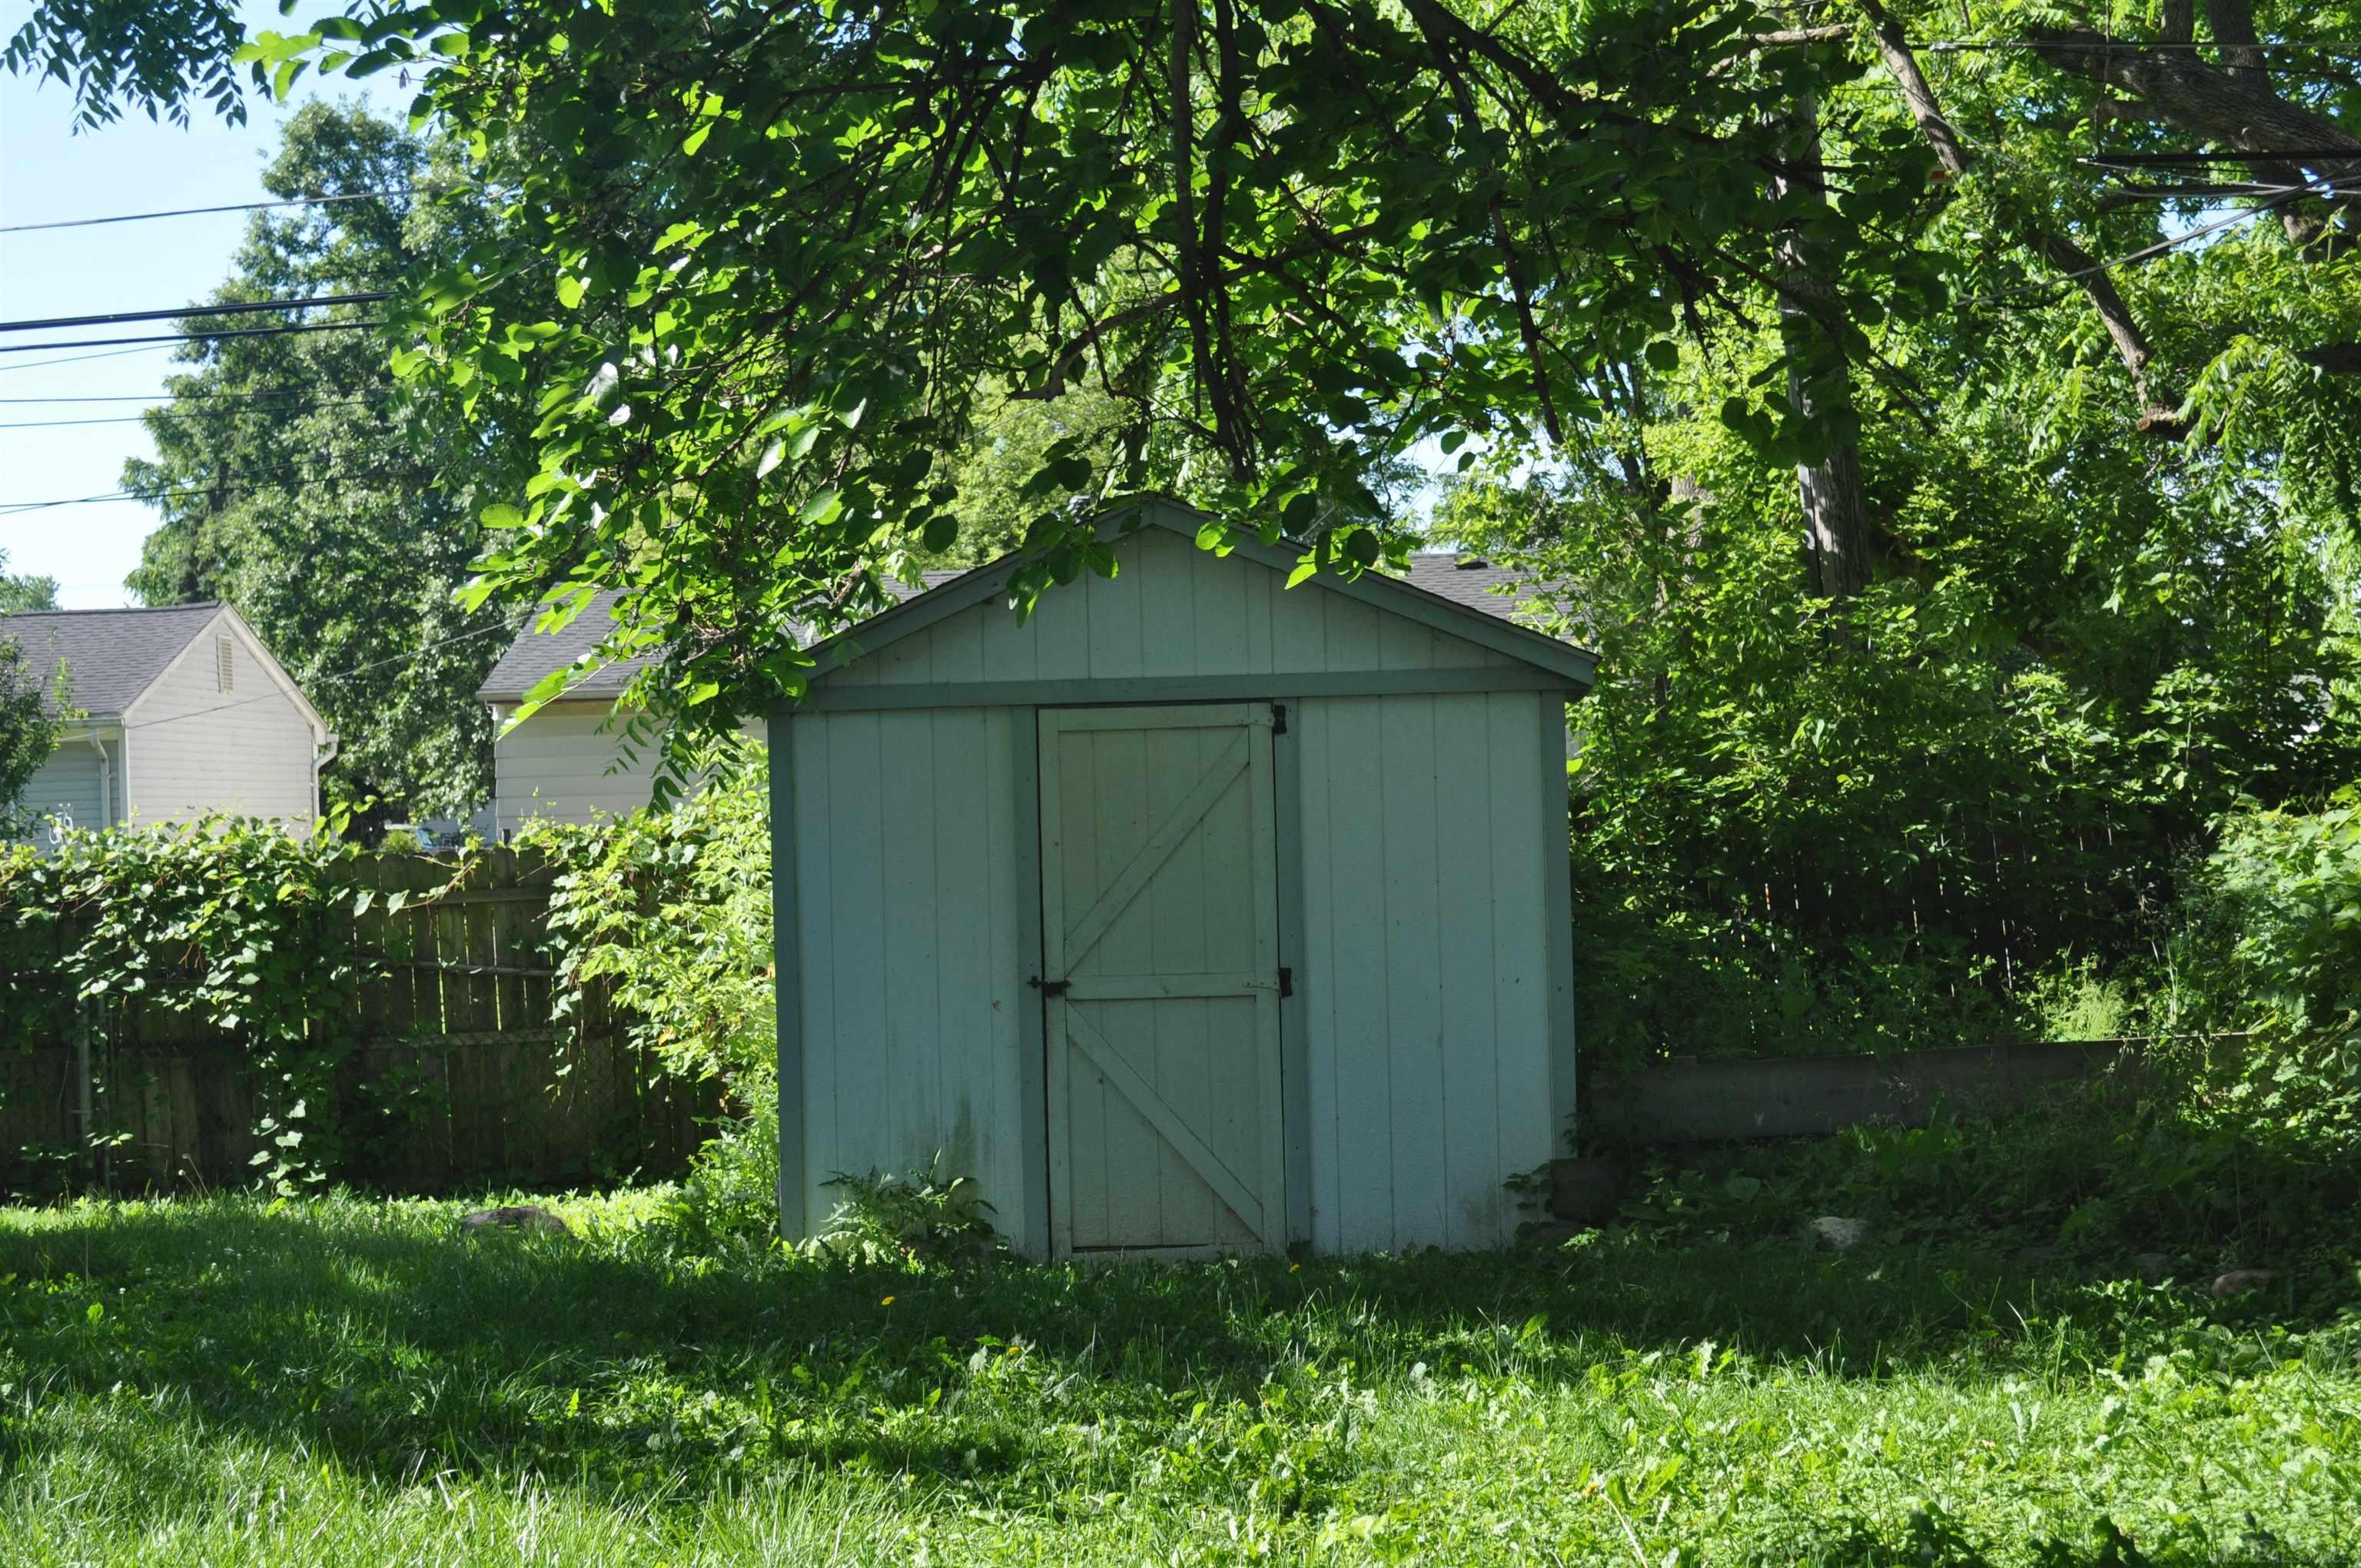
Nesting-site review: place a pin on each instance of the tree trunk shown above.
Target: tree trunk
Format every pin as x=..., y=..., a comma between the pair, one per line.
x=1819, y=385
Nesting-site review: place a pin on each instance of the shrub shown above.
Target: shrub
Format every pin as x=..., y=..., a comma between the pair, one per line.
x=927, y=1214
x=671, y=910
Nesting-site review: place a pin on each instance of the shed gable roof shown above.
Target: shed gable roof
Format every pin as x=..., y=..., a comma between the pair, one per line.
x=1477, y=603
x=1441, y=584
x=111, y=655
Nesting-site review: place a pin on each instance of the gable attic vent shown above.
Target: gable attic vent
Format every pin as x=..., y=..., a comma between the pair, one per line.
x=226, y=664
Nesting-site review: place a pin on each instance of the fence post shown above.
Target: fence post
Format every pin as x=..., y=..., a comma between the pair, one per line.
x=85, y=1010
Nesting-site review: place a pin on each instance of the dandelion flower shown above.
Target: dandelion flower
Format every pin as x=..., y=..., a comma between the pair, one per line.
x=886, y=1302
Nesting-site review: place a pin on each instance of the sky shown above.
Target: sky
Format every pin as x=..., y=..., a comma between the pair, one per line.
x=49, y=173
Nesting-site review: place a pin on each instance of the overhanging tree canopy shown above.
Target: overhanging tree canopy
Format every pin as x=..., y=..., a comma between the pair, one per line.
x=762, y=257
x=1296, y=238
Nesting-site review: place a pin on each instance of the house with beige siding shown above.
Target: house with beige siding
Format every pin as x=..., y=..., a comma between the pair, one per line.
x=564, y=763
x=169, y=714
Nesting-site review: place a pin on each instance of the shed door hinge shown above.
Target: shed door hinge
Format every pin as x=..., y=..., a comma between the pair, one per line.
x=1286, y=981
x=1278, y=719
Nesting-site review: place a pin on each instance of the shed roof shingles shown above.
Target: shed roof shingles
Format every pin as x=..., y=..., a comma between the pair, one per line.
x=110, y=655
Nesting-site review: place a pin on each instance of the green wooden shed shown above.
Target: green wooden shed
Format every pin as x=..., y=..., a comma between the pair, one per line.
x=1194, y=913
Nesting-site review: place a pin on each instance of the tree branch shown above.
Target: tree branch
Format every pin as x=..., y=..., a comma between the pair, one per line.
x=2131, y=345
x=2236, y=107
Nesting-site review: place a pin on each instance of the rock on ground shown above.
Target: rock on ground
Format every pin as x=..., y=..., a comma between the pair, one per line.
x=2239, y=1280
x=1832, y=1232
x=517, y=1216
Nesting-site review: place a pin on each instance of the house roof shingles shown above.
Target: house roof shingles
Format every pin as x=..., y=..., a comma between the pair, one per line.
x=111, y=655
x=1465, y=580
x=535, y=654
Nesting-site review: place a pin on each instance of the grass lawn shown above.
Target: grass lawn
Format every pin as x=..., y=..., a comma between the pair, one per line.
x=222, y=1381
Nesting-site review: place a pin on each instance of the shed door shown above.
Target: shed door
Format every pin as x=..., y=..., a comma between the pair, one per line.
x=1160, y=922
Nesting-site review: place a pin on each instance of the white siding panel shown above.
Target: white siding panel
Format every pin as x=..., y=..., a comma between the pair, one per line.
x=1474, y=1205
x=565, y=764
x=1170, y=610
x=195, y=747
x=1358, y=987
x=1316, y=970
x=1414, y=926
x=909, y=919
x=1425, y=995
x=67, y=787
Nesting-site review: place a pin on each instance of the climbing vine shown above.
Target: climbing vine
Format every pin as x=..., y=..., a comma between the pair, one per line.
x=251, y=936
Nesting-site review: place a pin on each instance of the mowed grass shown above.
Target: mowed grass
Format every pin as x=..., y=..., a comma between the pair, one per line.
x=222, y=1381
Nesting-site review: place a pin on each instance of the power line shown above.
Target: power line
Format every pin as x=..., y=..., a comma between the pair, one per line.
x=166, y=397
x=191, y=336
x=2339, y=48
x=185, y=312
x=2288, y=194
x=77, y=358
x=263, y=478
x=279, y=408
x=2207, y=159
x=240, y=208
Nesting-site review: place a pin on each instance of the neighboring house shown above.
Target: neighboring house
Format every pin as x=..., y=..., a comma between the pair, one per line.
x=561, y=763
x=1192, y=915
x=564, y=764
x=169, y=713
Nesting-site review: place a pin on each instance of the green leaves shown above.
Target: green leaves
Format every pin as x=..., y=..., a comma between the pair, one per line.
x=1352, y=272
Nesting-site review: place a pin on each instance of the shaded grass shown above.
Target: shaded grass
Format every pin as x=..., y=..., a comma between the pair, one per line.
x=226, y=1381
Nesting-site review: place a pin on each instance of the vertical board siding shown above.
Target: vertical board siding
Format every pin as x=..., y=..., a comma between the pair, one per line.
x=910, y=928
x=1315, y=966
x=1467, y=869
x=1359, y=1003
x=1430, y=950
x=1170, y=610
x=1415, y=919
x=1521, y=948
x=1427, y=1001
x=814, y=783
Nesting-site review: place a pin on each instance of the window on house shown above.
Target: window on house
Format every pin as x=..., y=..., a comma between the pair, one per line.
x=225, y=664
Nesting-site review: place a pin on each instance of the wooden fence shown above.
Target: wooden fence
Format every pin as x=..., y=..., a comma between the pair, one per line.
x=463, y=1075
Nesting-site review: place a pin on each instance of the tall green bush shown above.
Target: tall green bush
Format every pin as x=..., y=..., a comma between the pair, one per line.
x=672, y=910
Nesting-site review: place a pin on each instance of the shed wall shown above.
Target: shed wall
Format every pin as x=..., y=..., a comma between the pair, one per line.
x=1423, y=975
x=1426, y=976
x=193, y=747
x=907, y=884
